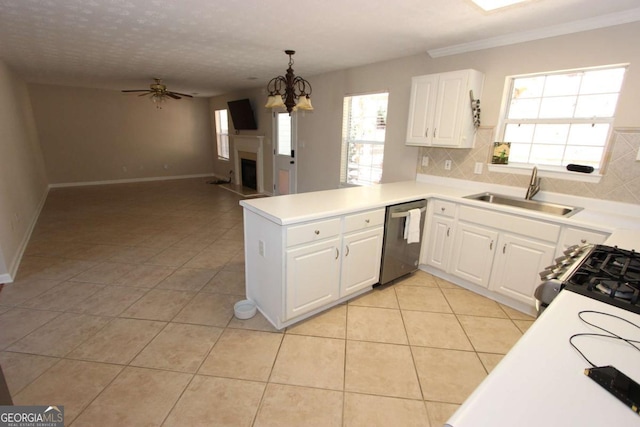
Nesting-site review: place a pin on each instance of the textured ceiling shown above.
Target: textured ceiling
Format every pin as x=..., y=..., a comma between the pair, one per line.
x=210, y=47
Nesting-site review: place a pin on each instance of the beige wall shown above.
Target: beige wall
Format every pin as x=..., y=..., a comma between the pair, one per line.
x=90, y=135
x=319, y=132
x=23, y=183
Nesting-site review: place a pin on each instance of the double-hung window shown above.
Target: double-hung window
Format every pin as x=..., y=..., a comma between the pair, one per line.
x=222, y=134
x=555, y=119
x=364, y=124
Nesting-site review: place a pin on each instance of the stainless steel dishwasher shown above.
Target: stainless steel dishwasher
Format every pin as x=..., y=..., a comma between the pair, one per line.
x=398, y=256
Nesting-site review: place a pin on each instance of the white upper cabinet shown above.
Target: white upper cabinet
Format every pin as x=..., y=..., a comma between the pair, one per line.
x=440, y=113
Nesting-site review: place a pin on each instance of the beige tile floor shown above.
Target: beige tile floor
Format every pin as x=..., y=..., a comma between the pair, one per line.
x=122, y=311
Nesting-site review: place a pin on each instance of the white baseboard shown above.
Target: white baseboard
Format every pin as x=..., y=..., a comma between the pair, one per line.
x=13, y=266
x=125, y=181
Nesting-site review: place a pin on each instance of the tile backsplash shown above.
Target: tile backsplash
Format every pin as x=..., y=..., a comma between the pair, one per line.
x=620, y=182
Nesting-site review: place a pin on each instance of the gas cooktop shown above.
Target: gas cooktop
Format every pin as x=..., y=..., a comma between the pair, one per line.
x=608, y=274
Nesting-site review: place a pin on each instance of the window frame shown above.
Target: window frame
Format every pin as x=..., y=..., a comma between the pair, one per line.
x=551, y=170
x=222, y=138
x=346, y=142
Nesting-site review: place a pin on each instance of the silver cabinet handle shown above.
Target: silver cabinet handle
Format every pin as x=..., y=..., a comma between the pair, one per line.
x=427, y=133
x=347, y=252
x=448, y=229
x=434, y=132
x=367, y=221
x=583, y=241
x=443, y=209
x=491, y=246
x=337, y=253
x=504, y=248
x=317, y=232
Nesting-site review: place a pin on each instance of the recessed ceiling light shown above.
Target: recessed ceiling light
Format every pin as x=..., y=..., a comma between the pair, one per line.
x=490, y=5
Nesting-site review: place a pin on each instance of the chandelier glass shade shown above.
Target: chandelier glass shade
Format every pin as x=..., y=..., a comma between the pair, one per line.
x=289, y=91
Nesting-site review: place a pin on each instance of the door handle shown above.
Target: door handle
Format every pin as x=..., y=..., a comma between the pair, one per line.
x=337, y=253
x=291, y=162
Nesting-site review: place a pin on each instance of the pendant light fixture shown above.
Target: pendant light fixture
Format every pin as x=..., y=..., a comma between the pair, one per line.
x=289, y=91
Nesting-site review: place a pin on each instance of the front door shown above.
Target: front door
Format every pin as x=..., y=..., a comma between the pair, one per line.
x=284, y=159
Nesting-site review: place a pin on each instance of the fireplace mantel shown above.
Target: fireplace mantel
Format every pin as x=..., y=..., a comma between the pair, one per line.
x=249, y=144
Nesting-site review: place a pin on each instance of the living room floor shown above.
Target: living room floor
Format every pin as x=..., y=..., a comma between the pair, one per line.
x=122, y=312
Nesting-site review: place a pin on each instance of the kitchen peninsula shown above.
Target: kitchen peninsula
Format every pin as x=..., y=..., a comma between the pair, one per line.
x=295, y=261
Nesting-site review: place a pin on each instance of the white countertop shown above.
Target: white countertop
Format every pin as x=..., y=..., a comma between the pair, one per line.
x=295, y=208
x=541, y=381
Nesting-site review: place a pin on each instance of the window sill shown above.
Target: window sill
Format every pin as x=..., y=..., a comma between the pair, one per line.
x=546, y=172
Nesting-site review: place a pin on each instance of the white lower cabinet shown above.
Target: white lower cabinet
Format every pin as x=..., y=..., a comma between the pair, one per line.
x=437, y=245
x=313, y=274
x=298, y=270
x=516, y=266
x=473, y=251
x=498, y=251
x=361, y=257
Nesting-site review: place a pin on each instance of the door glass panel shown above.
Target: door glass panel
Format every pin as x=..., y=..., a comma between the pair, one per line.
x=284, y=134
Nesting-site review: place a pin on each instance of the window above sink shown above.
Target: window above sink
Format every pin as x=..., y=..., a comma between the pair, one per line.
x=558, y=118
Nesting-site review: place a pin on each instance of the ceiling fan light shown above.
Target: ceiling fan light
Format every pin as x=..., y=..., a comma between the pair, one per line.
x=158, y=99
x=304, y=103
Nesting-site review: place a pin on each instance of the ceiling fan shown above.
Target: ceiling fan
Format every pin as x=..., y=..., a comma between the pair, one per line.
x=159, y=92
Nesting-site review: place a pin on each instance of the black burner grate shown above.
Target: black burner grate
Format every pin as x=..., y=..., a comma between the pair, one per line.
x=609, y=274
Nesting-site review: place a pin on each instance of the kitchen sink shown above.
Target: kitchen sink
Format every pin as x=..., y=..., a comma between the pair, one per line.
x=532, y=205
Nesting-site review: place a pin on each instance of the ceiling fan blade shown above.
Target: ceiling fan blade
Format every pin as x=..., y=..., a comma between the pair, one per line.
x=172, y=95
x=145, y=94
x=181, y=94
x=136, y=90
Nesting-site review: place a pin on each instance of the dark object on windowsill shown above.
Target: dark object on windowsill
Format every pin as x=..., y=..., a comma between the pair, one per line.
x=580, y=168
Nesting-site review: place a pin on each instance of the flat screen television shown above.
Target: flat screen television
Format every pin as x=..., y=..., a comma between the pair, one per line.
x=242, y=115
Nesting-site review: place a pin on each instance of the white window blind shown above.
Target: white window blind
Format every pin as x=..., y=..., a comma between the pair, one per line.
x=555, y=119
x=222, y=134
x=364, y=125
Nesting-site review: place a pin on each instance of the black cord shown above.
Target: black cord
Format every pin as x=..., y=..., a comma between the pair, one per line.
x=608, y=334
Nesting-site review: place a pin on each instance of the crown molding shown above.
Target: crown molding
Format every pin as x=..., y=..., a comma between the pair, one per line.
x=603, y=21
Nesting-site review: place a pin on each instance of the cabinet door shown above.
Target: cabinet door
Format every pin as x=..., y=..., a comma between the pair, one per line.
x=421, y=110
x=473, y=251
x=518, y=261
x=361, y=257
x=452, y=101
x=440, y=239
x=312, y=276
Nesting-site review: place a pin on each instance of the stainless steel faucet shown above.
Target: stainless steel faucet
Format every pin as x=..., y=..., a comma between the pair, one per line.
x=534, y=184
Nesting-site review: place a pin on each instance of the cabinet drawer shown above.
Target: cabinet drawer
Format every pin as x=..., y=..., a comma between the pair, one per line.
x=360, y=221
x=440, y=207
x=313, y=231
x=578, y=236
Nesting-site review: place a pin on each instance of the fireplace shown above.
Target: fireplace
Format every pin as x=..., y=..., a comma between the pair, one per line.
x=248, y=173
x=249, y=148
